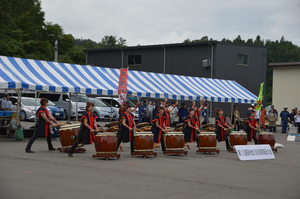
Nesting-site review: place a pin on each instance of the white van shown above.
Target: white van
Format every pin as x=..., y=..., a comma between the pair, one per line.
x=62, y=100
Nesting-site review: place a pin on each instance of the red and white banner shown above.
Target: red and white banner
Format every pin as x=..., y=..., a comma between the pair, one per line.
x=122, y=90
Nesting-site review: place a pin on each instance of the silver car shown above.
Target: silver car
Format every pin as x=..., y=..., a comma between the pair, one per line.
x=116, y=104
x=104, y=110
x=28, y=110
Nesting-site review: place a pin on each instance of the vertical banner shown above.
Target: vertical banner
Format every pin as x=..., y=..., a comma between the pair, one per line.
x=259, y=100
x=122, y=90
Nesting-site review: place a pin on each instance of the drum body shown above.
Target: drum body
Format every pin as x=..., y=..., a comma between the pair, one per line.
x=143, y=142
x=106, y=143
x=208, y=140
x=238, y=138
x=174, y=141
x=68, y=134
x=266, y=138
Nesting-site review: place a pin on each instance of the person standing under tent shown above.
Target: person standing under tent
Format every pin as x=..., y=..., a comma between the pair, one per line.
x=252, y=127
x=182, y=113
x=142, y=111
x=6, y=103
x=236, y=118
x=42, y=126
x=125, y=133
x=158, y=127
x=173, y=113
x=149, y=111
x=284, y=119
x=154, y=109
x=205, y=114
x=88, y=127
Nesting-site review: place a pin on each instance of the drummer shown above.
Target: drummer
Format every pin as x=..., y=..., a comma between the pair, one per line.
x=158, y=127
x=42, y=126
x=87, y=128
x=252, y=127
x=198, y=111
x=127, y=126
x=167, y=113
x=221, y=129
x=191, y=127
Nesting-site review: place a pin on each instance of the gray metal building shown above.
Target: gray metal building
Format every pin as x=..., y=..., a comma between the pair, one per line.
x=244, y=63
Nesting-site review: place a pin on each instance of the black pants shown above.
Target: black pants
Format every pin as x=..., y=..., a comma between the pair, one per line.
x=254, y=137
x=35, y=136
x=298, y=125
x=162, y=143
x=227, y=142
x=131, y=144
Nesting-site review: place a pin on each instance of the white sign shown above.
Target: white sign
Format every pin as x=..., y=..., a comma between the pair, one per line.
x=254, y=152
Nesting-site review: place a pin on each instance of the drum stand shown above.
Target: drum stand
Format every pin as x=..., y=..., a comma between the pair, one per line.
x=145, y=154
x=175, y=152
x=107, y=156
x=208, y=150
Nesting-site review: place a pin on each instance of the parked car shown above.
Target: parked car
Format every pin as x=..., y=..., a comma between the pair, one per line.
x=57, y=112
x=63, y=100
x=104, y=110
x=28, y=105
x=116, y=104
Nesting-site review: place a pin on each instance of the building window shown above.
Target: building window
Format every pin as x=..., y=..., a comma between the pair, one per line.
x=242, y=59
x=134, y=60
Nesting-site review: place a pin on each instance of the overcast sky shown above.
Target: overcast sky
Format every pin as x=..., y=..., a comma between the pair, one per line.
x=148, y=22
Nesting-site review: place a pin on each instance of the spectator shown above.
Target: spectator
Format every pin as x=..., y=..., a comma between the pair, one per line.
x=174, y=113
x=262, y=117
x=292, y=116
x=6, y=103
x=227, y=120
x=154, y=109
x=251, y=108
x=149, y=111
x=272, y=120
x=142, y=111
x=284, y=119
x=162, y=103
x=205, y=114
x=183, y=112
x=236, y=118
x=272, y=107
x=297, y=119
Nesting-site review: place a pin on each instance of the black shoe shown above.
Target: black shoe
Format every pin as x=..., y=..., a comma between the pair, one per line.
x=70, y=155
x=29, y=151
x=53, y=149
x=283, y=132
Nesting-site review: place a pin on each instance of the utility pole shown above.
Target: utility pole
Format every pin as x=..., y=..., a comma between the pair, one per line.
x=55, y=50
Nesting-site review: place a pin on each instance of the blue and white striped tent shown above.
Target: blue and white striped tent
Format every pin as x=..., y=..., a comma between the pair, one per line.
x=28, y=74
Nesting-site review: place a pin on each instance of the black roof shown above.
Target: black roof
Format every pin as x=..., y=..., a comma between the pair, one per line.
x=175, y=45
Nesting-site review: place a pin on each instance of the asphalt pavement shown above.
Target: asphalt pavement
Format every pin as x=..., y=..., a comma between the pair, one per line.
x=52, y=174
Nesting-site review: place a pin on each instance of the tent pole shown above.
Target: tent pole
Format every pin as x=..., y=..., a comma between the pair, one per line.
x=76, y=108
x=111, y=108
x=231, y=112
x=35, y=106
x=69, y=116
x=210, y=111
x=18, y=107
